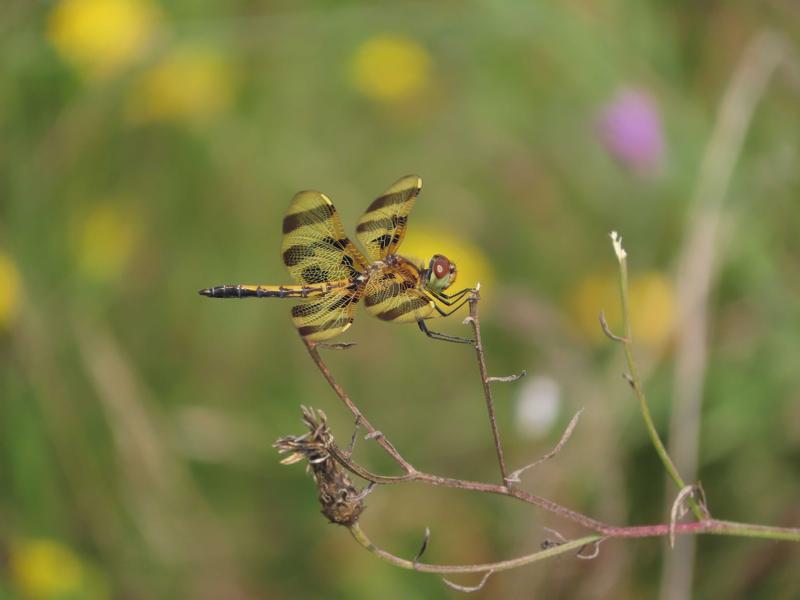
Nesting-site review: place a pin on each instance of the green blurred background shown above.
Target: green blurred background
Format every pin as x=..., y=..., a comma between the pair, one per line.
x=149, y=149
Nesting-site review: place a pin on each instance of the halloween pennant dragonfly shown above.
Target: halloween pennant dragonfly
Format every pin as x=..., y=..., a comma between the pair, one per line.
x=333, y=276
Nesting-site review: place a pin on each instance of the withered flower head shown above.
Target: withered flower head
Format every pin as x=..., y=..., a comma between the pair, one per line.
x=340, y=501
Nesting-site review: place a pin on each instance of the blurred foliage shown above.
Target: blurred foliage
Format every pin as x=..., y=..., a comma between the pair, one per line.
x=150, y=148
x=48, y=569
x=388, y=68
x=10, y=297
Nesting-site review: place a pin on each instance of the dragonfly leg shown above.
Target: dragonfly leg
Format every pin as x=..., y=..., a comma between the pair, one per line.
x=447, y=313
x=458, y=294
x=441, y=336
x=450, y=299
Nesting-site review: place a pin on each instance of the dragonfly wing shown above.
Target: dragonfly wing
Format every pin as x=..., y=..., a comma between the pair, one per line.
x=382, y=227
x=326, y=316
x=393, y=295
x=315, y=248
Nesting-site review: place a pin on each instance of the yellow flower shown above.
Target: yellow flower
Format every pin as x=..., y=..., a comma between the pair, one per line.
x=390, y=68
x=191, y=83
x=44, y=569
x=103, y=241
x=593, y=293
x=422, y=243
x=9, y=290
x=652, y=306
x=652, y=297
x=101, y=37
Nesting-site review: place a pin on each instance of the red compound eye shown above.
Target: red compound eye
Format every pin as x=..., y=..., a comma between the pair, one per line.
x=440, y=266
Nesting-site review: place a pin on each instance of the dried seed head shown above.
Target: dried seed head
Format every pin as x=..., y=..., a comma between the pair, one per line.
x=340, y=501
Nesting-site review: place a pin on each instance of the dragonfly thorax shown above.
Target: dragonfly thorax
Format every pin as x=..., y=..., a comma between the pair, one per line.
x=375, y=267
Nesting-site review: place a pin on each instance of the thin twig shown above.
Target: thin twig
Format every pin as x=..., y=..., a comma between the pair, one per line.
x=424, y=545
x=710, y=526
x=464, y=484
x=707, y=525
x=412, y=474
x=381, y=439
x=701, y=498
x=474, y=321
x=468, y=589
x=515, y=476
x=607, y=330
x=634, y=379
x=561, y=539
x=352, y=445
x=594, y=554
x=508, y=378
x=677, y=511
x=359, y=535
x=336, y=345
x=365, y=492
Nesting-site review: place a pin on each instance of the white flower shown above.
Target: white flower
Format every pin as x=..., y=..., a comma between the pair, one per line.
x=538, y=405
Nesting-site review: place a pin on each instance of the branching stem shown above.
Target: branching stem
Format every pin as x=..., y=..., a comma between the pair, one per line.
x=708, y=526
x=703, y=525
x=573, y=545
x=635, y=380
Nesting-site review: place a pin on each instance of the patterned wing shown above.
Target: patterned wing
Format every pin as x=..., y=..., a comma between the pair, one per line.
x=325, y=316
x=393, y=295
x=382, y=227
x=315, y=248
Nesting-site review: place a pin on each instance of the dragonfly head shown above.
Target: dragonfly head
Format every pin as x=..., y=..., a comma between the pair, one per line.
x=441, y=273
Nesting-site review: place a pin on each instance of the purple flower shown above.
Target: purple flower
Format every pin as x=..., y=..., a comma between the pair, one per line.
x=630, y=130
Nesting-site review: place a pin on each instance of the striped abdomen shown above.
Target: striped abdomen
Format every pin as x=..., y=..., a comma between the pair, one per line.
x=274, y=291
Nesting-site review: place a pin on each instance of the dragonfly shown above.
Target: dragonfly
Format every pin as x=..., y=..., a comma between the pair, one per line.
x=332, y=275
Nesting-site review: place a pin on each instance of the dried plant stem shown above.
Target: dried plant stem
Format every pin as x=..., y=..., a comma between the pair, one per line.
x=572, y=545
x=708, y=526
x=412, y=474
x=515, y=476
x=486, y=381
x=474, y=486
x=704, y=525
x=360, y=418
